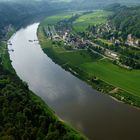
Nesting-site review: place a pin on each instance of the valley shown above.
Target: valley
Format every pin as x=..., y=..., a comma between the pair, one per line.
x=79, y=46
x=69, y=70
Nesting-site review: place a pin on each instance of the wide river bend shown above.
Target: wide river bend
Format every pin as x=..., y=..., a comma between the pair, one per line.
x=96, y=115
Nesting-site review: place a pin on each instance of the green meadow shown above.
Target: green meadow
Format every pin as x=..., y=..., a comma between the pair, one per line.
x=52, y=20
x=104, y=41
x=94, y=18
x=128, y=80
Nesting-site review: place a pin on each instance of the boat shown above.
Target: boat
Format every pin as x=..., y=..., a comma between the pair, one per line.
x=11, y=50
x=30, y=40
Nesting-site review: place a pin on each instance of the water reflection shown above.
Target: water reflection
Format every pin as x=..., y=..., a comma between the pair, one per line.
x=96, y=115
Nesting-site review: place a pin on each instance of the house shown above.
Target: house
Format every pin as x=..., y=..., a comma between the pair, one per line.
x=130, y=40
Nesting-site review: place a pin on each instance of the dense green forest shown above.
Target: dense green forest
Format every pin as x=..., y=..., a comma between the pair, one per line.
x=23, y=115
x=20, y=14
x=127, y=20
x=99, y=4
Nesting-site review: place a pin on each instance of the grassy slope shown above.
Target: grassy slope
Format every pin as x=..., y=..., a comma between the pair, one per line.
x=122, y=78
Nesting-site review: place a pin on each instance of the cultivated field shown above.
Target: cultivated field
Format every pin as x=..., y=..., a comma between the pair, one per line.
x=52, y=20
x=94, y=18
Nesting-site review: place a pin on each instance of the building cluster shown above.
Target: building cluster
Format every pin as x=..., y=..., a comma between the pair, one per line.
x=66, y=36
x=109, y=31
x=105, y=28
x=131, y=41
x=73, y=40
x=111, y=54
x=51, y=33
x=102, y=50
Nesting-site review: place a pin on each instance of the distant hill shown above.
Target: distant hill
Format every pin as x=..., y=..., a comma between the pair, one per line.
x=127, y=20
x=90, y=4
x=77, y=4
x=22, y=12
x=17, y=14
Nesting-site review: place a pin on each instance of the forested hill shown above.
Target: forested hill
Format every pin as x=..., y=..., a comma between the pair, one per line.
x=23, y=116
x=127, y=20
x=97, y=4
x=14, y=14
x=17, y=14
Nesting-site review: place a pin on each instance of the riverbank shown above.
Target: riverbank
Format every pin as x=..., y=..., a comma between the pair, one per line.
x=26, y=115
x=72, y=60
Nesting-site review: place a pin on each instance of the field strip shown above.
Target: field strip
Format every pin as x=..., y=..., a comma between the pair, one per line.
x=120, y=88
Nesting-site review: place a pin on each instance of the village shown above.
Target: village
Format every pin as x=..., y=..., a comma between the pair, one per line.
x=110, y=33
x=102, y=39
x=78, y=43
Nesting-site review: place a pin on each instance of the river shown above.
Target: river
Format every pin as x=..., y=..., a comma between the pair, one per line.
x=96, y=115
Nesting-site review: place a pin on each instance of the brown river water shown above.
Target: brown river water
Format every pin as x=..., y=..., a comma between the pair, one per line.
x=96, y=115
